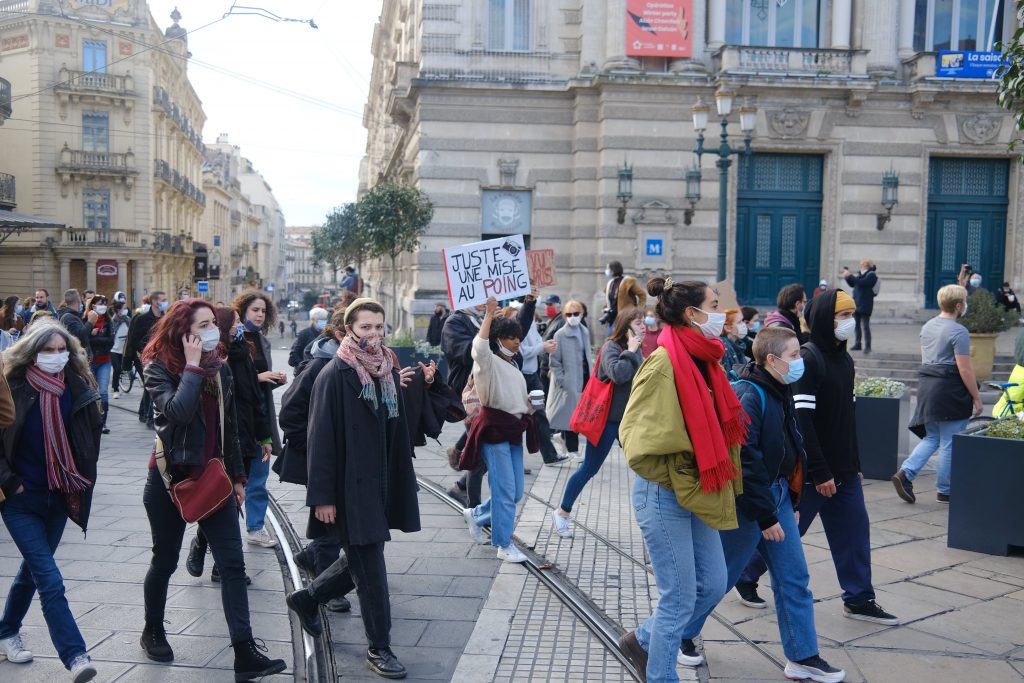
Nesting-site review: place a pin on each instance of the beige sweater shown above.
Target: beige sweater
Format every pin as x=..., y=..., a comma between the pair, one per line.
x=499, y=384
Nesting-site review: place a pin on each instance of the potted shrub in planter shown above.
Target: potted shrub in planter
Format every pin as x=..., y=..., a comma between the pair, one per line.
x=410, y=352
x=883, y=412
x=986, y=508
x=985, y=319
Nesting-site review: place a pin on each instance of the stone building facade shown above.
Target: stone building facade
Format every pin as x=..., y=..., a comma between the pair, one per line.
x=107, y=141
x=516, y=116
x=301, y=274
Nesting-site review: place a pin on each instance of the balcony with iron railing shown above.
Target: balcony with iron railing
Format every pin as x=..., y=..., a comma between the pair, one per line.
x=5, y=100
x=71, y=83
x=791, y=61
x=7, y=194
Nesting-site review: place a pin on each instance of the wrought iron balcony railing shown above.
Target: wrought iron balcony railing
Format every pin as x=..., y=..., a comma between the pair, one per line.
x=5, y=100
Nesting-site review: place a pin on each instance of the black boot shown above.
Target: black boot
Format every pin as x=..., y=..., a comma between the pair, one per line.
x=304, y=560
x=251, y=663
x=215, y=576
x=154, y=642
x=106, y=409
x=384, y=663
x=196, y=557
x=307, y=609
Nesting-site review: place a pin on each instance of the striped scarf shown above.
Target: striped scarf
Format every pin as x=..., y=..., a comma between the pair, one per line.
x=370, y=364
x=61, y=473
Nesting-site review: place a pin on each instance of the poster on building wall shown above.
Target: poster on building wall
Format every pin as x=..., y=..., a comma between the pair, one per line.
x=967, y=64
x=659, y=28
x=480, y=270
x=542, y=267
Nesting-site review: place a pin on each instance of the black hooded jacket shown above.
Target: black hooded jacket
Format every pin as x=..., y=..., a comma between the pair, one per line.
x=824, y=397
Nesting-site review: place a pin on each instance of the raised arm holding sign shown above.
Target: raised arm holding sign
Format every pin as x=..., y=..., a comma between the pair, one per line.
x=480, y=270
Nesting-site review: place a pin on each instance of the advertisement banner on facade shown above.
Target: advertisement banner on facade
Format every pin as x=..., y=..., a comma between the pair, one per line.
x=967, y=64
x=480, y=270
x=659, y=28
x=542, y=267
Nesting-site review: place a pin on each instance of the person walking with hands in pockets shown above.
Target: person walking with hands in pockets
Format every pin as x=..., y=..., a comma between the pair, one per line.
x=187, y=376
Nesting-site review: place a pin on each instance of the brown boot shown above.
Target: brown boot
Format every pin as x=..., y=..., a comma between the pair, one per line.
x=637, y=656
x=904, y=487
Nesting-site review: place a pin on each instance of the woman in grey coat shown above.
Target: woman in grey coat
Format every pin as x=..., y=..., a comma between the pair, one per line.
x=570, y=369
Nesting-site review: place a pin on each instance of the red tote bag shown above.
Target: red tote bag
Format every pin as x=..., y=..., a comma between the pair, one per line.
x=591, y=414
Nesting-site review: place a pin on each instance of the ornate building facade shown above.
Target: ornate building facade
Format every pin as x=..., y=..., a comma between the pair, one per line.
x=517, y=116
x=106, y=141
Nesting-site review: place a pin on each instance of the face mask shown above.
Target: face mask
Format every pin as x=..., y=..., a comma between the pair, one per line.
x=712, y=329
x=52, y=363
x=211, y=338
x=102, y=310
x=19, y=308
x=964, y=312
x=975, y=282
x=164, y=305
x=741, y=330
x=795, y=372
x=845, y=328
x=756, y=327
x=145, y=308
x=81, y=308
x=574, y=321
x=320, y=324
x=650, y=321
x=550, y=311
x=239, y=332
x=371, y=342
x=251, y=326
x=505, y=352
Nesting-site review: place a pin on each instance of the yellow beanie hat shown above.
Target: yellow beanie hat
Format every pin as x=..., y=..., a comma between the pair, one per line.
x=844, y=302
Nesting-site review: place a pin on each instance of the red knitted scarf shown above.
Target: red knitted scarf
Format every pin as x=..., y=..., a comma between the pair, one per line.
x=61, y=473
x=715, y=420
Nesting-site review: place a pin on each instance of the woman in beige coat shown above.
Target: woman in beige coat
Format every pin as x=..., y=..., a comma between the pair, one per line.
x=570, y=365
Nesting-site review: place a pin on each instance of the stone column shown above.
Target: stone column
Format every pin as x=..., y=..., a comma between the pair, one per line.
x=65, y=274
x=841, y=14
x=716, y=25
x=90, y=274
x=879, y=16
x=122, y=276
x=139, y=283
x=615, y=39
x=906, y=29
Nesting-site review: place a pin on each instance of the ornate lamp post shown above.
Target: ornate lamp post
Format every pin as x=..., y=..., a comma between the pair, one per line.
x=748, y=118
x=890, y=196
x=625, y=190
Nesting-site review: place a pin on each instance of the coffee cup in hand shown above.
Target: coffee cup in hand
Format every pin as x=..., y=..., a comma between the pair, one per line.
x=537, y=398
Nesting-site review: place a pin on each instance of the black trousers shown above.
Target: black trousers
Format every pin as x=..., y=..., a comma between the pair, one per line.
x=116, y=363
x=225, y=539
x=145, y=406
x=362, y=568
x=572, y=441
x=326, y=550
x=863, y=322
x=548, y=453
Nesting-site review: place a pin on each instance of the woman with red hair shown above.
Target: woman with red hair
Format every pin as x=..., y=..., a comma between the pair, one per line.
x=193, y=401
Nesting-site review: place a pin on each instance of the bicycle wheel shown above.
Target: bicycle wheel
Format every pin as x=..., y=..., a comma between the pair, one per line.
x=125, y=381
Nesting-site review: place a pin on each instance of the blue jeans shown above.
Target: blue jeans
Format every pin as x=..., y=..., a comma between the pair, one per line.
x=938, y=437
x=35, y=520
x=256, y=497
x=505, y=479
x=794, y=603
x=102, y=375
x=593, y=458
x=689, y=568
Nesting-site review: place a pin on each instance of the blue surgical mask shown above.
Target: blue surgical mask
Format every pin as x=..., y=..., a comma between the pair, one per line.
x=18, y=308
x=320, y=324
x=756, y=327
x=795, y=371
x=239, y=332
x=607, y=273
x=164, y=305
x=650, y=321
x=251, y=326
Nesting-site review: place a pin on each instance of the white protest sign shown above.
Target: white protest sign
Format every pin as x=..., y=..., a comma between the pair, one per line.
x=480, y=270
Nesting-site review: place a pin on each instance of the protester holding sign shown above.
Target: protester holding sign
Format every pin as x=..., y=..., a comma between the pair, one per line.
x=480, y=270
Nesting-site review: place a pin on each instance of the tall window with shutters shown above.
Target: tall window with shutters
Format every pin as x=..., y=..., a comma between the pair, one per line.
x=958, y=24
x=96, y=209
x=775, y=23
x=509, y=25
x=94, y=56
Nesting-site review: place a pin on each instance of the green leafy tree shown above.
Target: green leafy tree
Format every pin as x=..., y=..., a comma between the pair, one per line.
x=340, y=240
x=392, y=219
x=1011, y=76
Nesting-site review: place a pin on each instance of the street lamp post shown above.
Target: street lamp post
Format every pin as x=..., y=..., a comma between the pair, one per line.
x=748, y=118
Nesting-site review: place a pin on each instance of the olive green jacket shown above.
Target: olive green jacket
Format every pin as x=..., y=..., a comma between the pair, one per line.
x=658, y=448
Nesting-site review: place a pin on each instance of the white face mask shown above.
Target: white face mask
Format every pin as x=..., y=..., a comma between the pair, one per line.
x=573, y=321
x=52, y=363
x=712, y=329
x=741, y=330
x=964, y=312
x=211, y=338
x=102, y=310
x=505, y=352
x=844, y=328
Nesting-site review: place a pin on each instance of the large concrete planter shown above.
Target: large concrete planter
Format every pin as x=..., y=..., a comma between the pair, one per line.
x=983, y=353
x=986, y=509
x=882, y=434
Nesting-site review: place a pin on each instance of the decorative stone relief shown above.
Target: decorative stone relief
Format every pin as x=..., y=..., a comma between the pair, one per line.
x=789, y=122
x=979, y=129
x=507, y=168
x=655, y=212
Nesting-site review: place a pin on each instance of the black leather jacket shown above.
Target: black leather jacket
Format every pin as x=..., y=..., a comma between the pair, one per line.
x=179, y=420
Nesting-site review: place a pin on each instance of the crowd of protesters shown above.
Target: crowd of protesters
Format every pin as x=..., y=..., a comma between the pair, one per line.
x=740, y=431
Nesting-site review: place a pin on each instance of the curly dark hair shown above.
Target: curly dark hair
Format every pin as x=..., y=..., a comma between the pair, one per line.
x=672, y=302
x=244, y=300
x=504, y=328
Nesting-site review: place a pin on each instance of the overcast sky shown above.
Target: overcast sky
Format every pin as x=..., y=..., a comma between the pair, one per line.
x=309, y=152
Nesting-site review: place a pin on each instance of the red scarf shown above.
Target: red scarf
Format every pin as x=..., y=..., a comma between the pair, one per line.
x=715, y=420
x=61, y=473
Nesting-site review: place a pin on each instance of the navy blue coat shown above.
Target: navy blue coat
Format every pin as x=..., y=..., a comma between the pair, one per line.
x=863, y=290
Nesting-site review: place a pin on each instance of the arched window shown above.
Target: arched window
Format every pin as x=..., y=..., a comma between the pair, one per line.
x=957, y=24
x=776, y=23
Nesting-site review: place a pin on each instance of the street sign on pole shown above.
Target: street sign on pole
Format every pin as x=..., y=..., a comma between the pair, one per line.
x=203, y=287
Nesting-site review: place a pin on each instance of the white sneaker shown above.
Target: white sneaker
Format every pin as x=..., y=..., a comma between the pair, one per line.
x=476, y=532
x=579, y=457
x=558, y=441
x=814, y=669
x=510, y=553
x=14, y=649
x=82, y=669
x=563, y=525
x=261, y=538
x=115, y=396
